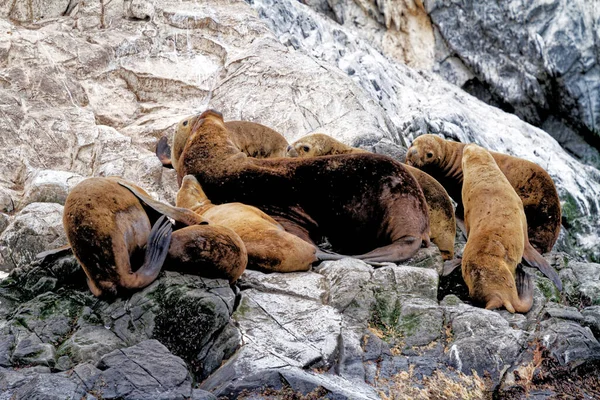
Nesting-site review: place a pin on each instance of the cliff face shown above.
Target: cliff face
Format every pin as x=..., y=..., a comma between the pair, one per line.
x=87, y=88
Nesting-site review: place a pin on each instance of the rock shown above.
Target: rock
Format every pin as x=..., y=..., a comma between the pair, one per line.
x=35, y=11
x=476, y=331
x=90, y=343
x=569, y=343
x=36, y=228
x=592, y=319
x=49, y=386
x=143, y=371
x=49, y=187
x=538, y=60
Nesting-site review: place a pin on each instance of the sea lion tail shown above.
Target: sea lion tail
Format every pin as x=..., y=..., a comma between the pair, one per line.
x=163, y=152
x=156, y=252
x=182, y=215
x=532, y=258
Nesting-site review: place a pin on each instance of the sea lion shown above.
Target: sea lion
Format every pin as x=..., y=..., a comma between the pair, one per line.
x=109, y=230
x=441, y=211
x=253, y=139
x=497, y=234
x=270, y=248
x=442, y=160
x=362, y=203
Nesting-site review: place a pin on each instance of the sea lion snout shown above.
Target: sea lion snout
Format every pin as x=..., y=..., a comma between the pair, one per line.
x=412, y=157
x=291, y=151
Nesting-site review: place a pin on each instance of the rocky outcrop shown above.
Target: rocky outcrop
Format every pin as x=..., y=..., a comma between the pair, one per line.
x=87, y=88
x=537, y=59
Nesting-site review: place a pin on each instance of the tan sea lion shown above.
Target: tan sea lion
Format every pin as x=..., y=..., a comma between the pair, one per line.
x=441, y=212
x=253, y=139
x=270, y=248
x=110, y=234
x=497, y=233
x=362, y=203
x=442, y=160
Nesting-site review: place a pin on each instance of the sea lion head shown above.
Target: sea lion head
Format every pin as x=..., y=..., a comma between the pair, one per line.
x=425, y=150
x=308, y=146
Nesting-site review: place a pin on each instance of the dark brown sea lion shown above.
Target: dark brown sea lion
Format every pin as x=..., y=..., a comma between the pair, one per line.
x=253, y=139
x=363, y=203
x=270, y=248
x=109, y=232
x=497, y=234
x=441, y=211
x=442, y=159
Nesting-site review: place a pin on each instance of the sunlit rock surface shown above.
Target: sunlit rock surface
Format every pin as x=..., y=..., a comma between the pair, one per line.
x=87, y=88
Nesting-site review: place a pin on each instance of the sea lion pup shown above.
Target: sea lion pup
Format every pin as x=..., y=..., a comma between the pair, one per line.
x=497, y=232
x=442, y=160
x=270, y=248
x=109, y=230
x=441, y=211
x=253, y=139
x=363, y=203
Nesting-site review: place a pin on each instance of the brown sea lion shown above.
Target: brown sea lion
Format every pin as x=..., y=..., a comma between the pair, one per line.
x=362, y=203
x=442, y=160
x=497, y=233
x=441, y=212
x=253, y=139
x=270, y=248
x=110, y=234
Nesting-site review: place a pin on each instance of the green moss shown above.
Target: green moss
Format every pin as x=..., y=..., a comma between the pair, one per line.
x=242, y=309
x=409, y=324
x=548, y=290
x=570, y=210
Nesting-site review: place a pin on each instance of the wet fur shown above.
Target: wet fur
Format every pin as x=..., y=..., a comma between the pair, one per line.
x=107, y=229
x=441, y=212
x=497, y=230
x=270, y=248
x=530, y=181
x=360, y=202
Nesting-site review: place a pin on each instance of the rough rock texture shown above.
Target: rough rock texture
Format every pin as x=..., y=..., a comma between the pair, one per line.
x=538, y=59
x=87, y=87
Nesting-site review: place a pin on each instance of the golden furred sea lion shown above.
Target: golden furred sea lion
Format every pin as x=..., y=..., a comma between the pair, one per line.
x=270, y=248
x=363, y=204
x=442, y=159
x=441, y=212
x=119, y=243
x=497, y=233
x=253, y=139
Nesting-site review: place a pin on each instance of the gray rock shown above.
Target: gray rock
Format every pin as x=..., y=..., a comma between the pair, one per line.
x=49, y=387
x=539, y=61
x=90, y=343
x=483, y=341
x=35, y=228
x=568, y=342
x=48, y=186
x=592, y=319
x=146, y=370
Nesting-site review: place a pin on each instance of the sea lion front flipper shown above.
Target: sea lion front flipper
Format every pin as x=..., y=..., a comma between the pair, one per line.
x=532, y=258
x=156, y=251
x=182, y=215
x=49, y=255
x=524, y=285
x=451, y=265
x=163, y=152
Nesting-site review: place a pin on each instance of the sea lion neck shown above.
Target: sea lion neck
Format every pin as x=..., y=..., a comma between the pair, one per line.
x=452, y=161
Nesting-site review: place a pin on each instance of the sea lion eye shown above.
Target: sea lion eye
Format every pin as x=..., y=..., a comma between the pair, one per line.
x=306, y=148
x=429, y=154
x=185, y=123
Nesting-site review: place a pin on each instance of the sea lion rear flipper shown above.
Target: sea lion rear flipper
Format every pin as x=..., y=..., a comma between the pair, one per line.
x=156, y=252
x=400, y=250
x=532, y=258
x=163, y=152
x=49, y=255
x=182, y=215
x=451, y=265
x=323, y=255
x=524, y=285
